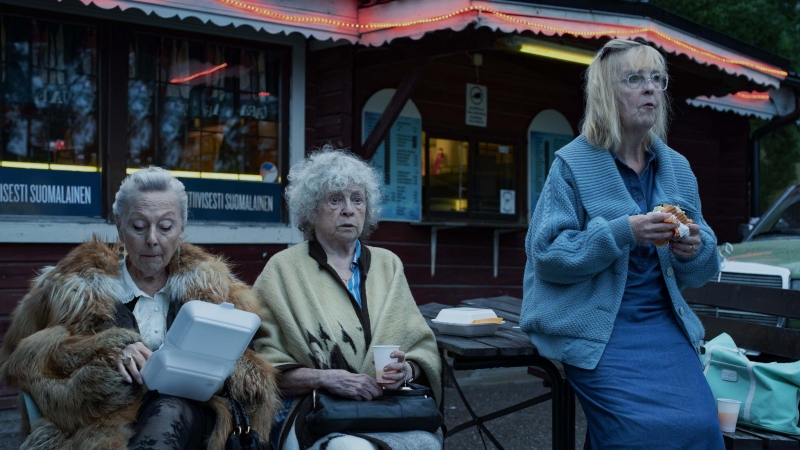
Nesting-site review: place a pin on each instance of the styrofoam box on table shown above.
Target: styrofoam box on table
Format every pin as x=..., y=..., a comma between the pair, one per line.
x=200, y=350
x=463, y=315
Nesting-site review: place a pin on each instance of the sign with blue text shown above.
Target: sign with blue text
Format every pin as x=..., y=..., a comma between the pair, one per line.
x=49, y=193
x=233, y=201
x=398, y=158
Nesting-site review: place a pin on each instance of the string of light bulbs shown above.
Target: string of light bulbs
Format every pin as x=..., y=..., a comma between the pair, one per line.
x=483, y=9
x=752, y=95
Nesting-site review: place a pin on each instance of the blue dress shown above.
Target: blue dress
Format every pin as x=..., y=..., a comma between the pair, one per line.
x=648, y=389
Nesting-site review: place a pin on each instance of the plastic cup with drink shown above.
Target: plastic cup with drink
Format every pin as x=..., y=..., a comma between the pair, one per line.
x=728, y=413
x=382, y=359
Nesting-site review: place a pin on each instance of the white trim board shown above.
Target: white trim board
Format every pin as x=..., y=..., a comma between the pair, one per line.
x=41, y=232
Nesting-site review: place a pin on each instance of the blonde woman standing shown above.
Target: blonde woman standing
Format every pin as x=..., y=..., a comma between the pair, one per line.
x=599, y=295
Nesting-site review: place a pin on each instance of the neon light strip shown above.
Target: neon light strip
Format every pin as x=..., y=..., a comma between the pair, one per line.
x=199, y=74
x=45, y=166
x=587, y=34
x=550, y=52
x=206, y=175
x=751, y=96
x=219, y=176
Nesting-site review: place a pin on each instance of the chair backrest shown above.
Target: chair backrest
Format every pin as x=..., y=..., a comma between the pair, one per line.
x=33, y=411
x=755, y=336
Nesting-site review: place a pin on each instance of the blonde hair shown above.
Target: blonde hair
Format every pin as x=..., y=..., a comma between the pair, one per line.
x=602, y=125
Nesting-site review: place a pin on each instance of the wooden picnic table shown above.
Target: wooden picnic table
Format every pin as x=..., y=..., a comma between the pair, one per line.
x=509, y=347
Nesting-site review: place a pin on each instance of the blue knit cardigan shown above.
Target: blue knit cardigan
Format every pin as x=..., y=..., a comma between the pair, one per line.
x=578, y=245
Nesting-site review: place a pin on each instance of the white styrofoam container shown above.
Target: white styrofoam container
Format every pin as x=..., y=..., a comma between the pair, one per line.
x=463, y=316
x=184, y=374
x=458, y=321
x=201, y=348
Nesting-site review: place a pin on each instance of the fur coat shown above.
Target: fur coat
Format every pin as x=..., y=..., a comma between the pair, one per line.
x=64, y=343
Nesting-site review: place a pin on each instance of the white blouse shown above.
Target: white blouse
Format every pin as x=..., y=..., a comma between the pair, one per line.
x=150, y=312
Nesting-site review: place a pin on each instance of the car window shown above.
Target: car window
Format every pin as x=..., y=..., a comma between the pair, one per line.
x=784, y=219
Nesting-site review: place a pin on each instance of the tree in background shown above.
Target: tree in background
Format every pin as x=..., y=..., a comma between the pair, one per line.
x=773, y=25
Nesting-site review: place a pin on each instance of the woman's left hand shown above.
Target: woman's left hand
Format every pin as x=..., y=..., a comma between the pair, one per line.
x=687, y=247
x=399, y=371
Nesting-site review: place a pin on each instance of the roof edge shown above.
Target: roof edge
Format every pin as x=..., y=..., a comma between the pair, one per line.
x=666, y=17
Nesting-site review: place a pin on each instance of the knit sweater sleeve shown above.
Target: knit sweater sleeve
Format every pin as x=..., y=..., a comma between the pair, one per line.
x=564, y=248
x=696, y=271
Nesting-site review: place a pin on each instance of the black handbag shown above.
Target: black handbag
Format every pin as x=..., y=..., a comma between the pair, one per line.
x=242, y=437
x=396, y=410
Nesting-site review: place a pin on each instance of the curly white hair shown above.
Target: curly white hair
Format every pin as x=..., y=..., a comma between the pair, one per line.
x=325, y=171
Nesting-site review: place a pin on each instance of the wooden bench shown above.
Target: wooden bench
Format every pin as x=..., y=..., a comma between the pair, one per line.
x=774, y=343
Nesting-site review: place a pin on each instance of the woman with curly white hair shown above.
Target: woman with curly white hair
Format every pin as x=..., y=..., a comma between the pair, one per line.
x=328, y=300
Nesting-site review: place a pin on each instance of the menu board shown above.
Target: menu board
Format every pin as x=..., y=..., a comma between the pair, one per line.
x=543, y=147
x=398, y=158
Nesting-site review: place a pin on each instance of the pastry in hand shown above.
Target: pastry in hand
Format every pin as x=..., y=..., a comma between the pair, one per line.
x=677, y=216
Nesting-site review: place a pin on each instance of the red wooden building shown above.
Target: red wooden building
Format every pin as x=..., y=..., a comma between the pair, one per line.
x=460, y=102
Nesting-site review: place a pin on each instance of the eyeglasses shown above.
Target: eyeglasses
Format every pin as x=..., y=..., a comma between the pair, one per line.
x=636, y=81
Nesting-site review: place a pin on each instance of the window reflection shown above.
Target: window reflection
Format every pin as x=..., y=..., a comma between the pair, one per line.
x=48, y=80
x=202, y=107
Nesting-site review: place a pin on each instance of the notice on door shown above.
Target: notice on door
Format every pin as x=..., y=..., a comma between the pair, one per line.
x=476, y=105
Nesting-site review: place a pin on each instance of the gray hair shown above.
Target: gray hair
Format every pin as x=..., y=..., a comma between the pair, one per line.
x=149, y=179
x=602, y=125
x=325, y=171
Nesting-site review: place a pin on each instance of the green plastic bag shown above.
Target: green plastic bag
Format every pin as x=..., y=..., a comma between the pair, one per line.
x=769, y=392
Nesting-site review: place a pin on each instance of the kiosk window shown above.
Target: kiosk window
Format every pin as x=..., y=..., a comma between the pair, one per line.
x=494, y=171
x=205, y=109
x=48, y=81
x=448, y=168
x=468, y=177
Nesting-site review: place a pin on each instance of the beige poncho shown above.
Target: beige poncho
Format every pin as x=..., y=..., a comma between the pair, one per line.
x=311, y=320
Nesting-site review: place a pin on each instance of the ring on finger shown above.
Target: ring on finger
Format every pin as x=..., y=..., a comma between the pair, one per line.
x=691, y=247
x=126, y=360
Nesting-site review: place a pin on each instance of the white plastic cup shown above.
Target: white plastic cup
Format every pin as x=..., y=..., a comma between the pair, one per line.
x=381, y=354
x=728, y=413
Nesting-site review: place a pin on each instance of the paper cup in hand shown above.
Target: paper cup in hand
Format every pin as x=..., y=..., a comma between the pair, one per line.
x=728, y=413
x=382, y=359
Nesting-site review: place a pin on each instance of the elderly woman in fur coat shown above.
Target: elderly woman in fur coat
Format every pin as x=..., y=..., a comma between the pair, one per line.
x=81, y=336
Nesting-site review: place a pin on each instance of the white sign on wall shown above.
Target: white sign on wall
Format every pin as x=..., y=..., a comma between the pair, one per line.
x=476, y=105
x=508, y=201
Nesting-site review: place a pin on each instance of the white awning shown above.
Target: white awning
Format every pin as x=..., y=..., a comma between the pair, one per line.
x=763, y=105
x=224, y=14
x=380, y=24
x=510, y=17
